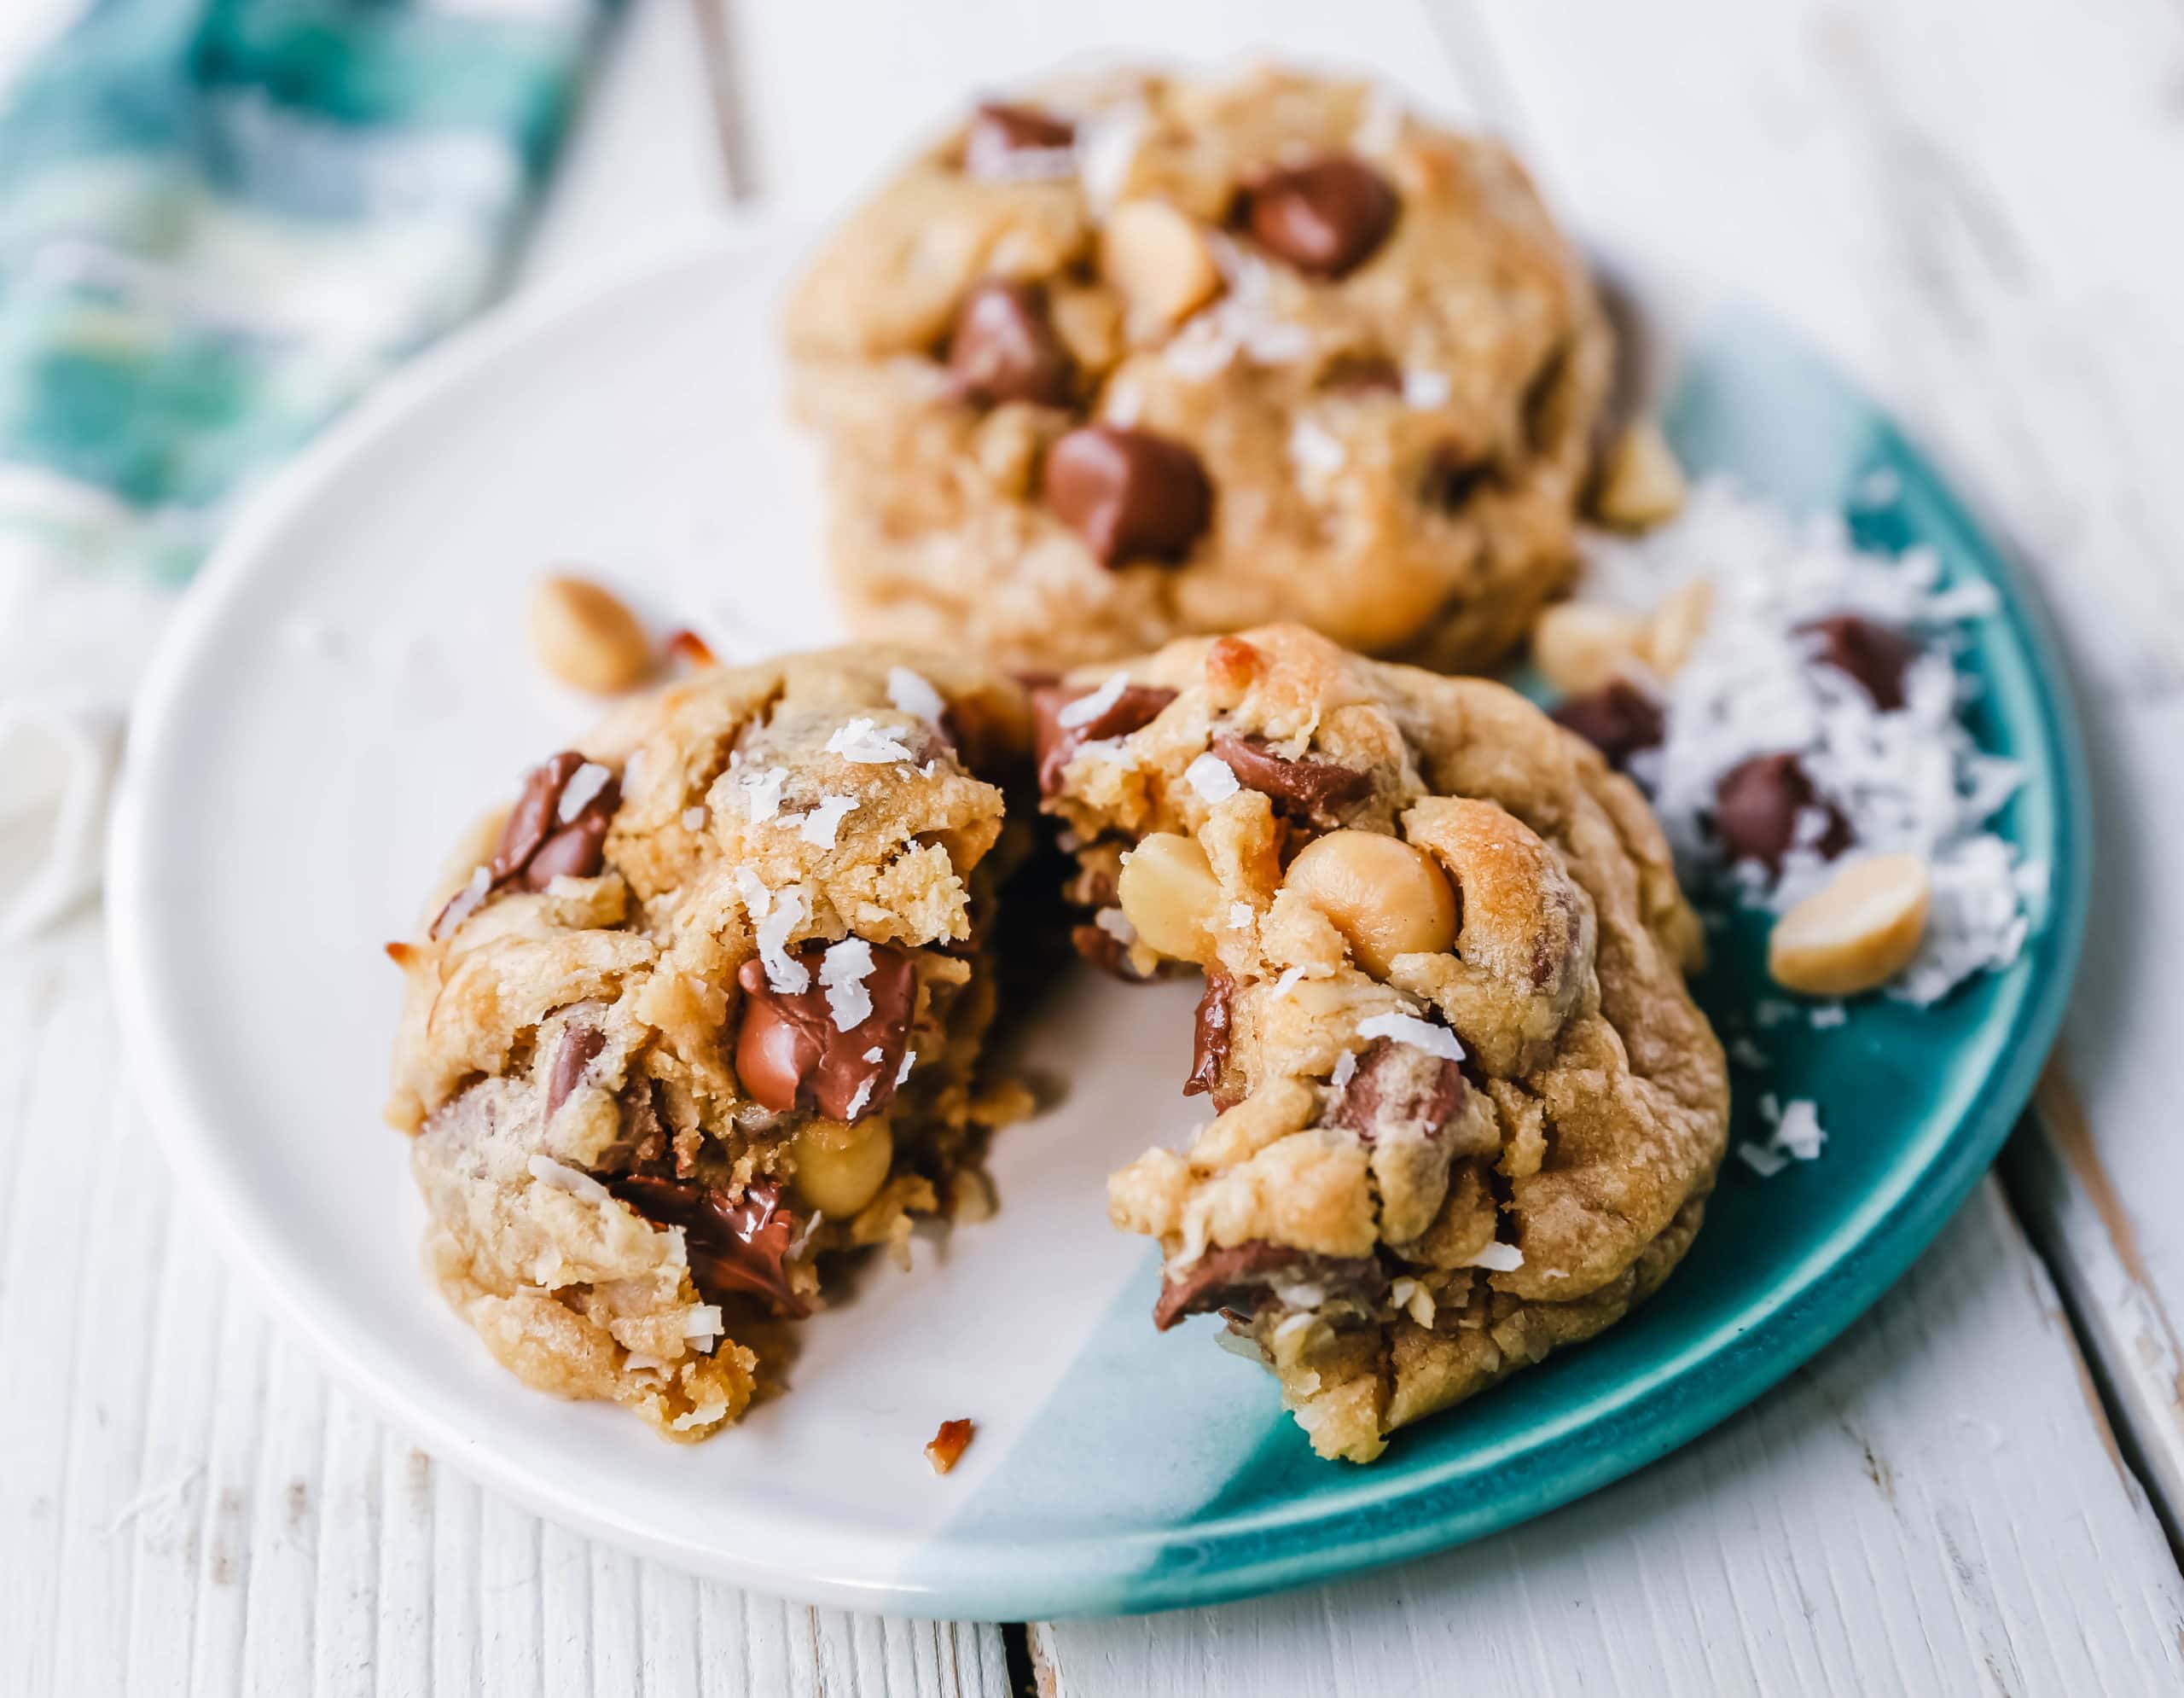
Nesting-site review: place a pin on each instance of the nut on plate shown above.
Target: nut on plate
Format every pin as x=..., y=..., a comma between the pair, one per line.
x=1579, y=646
x=585, y=635
x=1640, y=484
x=1859, y=929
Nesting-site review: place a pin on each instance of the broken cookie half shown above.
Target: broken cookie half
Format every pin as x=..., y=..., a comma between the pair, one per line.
x=1465, y=1109
x=703, y=1007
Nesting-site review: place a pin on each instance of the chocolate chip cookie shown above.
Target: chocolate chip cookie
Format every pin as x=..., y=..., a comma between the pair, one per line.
x=1466, y=1109
x=703, y=1007
x=1138, y=356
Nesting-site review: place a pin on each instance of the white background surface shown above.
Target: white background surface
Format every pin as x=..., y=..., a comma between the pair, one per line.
x=1971, y=205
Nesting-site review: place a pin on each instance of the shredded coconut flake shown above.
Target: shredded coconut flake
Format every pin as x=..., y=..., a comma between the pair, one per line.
x=1116, y=924
x=1799, y=1131
x=862, y=742
x=786, y=974
x=1420, y=1034
x=762, y=793
x=909, y=1061
x=1239, y=915
x=1345, y=1069
x=1087, y=708
x=1314, y=450
x=862, y=1096
x=1209, y=774
x=911, y=694
x=1745, y=1053
x=758, y=900
x=695, y=818
x=1828, y=1015
x=820, y=825
x=702, y=1321
x=585, y=783
x=1762, y=1160
x=563, y=1177
x=1290, y=978
x=1107, y=148
x=843, y=970
x=1908, y=780
x=1424, y=389
x=1498, y=1258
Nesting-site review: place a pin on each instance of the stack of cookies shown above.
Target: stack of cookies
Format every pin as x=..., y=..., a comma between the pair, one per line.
x=1183, y=436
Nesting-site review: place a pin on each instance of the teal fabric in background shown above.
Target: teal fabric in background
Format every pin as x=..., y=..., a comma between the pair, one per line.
x=221, y=219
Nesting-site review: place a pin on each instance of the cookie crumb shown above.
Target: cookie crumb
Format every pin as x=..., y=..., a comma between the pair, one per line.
x=948, y=1444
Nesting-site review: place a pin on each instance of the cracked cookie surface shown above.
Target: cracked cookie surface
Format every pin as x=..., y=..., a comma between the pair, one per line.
x=1145, y=355
x=704, y=1006
x=1468, y=1111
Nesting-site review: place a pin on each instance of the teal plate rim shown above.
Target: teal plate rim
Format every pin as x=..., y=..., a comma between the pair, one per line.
x=1381, y=1514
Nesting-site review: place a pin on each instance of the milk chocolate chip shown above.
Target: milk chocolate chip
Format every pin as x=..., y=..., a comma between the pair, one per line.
x=1209, y=1039
x=537, y=844
x=1324, y=217
x=580, y=1045
x=1398, y=1086
x=1130, y=494
x=1000, y=130
x=1004, y=347
x=1306, y=789
x=1757, y=806
x=1619, y=719
x=1240, y=1275
x=1137, y=707
x=1875, y=655
x=734, y=1244
x=790, y=1053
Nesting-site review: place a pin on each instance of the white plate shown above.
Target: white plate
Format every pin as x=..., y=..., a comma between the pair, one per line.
x=348, y=685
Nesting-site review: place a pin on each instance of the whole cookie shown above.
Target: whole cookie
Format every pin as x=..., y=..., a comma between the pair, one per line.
x=1468, y=1111
x=1139, y=355
x=704, y=1005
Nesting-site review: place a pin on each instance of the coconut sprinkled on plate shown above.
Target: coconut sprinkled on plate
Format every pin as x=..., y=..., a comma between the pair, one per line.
x=1844, y=662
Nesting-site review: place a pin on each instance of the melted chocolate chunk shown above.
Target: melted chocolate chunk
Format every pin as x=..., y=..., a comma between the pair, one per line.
x=1453, y=474
x=1238, y=1276
x=1307, y=788
x=1209, y=1039
x=734, y=1243
x=1619, y=719
x=1000, y=130
x=1325, y=217
x=579, y=1046
x=1873, y=653
x=1399, y=1085
x=1004, y=347
x=1057, y=744
x=1362, y=374
x=789, y=1054
x=1757, y=806
x=537, y=844
x=1130, y=494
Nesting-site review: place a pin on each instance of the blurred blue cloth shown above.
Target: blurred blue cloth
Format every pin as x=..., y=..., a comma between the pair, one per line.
x=220, y=219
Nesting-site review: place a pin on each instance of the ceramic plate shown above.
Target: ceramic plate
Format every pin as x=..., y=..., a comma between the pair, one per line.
x=347, y=686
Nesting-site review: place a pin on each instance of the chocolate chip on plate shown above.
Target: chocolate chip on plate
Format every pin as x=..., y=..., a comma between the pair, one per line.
x=1757, y=805
x=790, y=1053
x=1619, y=719
x=1876, y=655
x=1000, y=130
x=1209, y=1038
x=1004, y=347
x=738, y=1243
x=1133, y=709
x=1324, y=217
x=1130, y=494
x=1307, y=788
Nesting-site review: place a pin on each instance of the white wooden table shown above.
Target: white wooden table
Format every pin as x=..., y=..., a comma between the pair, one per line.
x=1972, y=205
